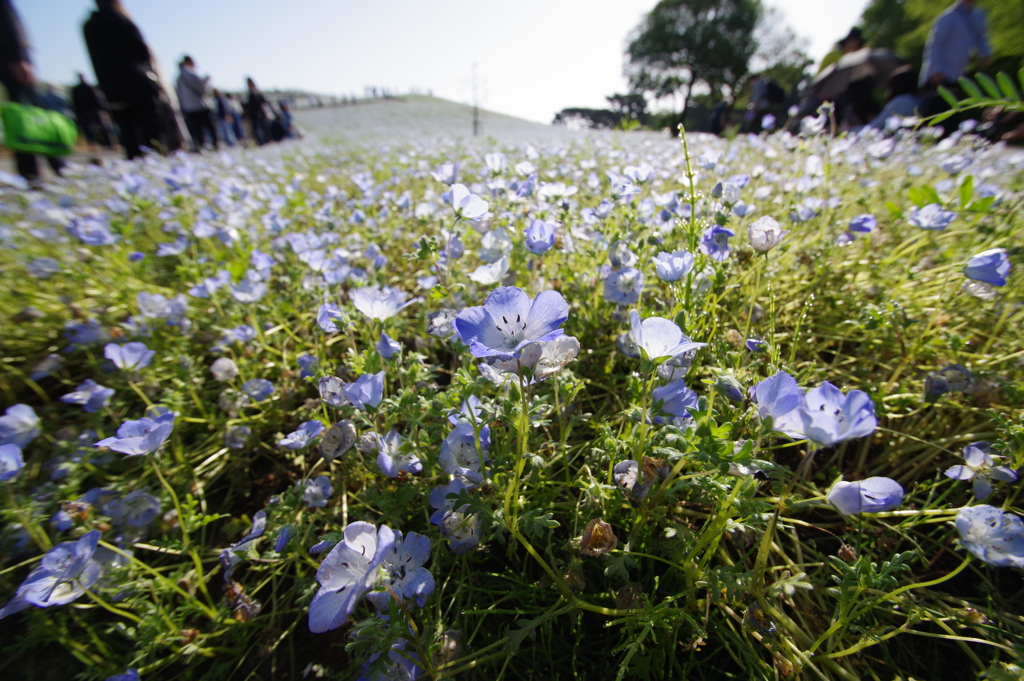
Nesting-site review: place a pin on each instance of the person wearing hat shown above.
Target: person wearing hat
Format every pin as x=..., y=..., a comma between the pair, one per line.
x=853, y=41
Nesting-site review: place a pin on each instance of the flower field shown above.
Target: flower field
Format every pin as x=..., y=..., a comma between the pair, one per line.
x=595, y=407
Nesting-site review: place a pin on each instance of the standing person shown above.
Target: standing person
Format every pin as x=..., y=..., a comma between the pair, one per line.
x=224, y=118
x=19, y=78
x=235, y=108
x=90, y=107
x=125, y=71
x=255, y=110
x=954, y=34
x=193, y=96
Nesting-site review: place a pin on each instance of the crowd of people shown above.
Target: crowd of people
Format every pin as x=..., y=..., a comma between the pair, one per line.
x=956, y=35
x=132, y=104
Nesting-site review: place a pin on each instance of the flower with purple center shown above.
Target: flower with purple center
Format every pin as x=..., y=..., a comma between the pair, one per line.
x=459, y=456
x=367, y=391
x=403, y=573
x=823, y=415
x=714, y=243
x=391, y=459
x=144, y=436
x=872, y=495
x=979, y=466
x=347, y=573
x=302, y=435
x=991, y=534
x=460, y=528
x=990, y=267
x=130, y=356
x=317, y=491
x=624, y=286
x=90, y=395
x=509, y=320
x=63, y=575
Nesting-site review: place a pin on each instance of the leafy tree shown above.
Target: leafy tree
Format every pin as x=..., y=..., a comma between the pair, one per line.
x=681, y=44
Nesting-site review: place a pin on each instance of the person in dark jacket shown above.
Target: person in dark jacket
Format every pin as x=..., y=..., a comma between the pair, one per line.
x=124, y=69
x=90, y=107
x=255, y=111
x=18, y=77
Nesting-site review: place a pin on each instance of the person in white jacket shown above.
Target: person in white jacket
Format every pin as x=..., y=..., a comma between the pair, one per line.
x=193, y=96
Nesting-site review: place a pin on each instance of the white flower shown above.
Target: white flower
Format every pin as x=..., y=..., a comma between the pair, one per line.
x=766, y=234
x=224, y=369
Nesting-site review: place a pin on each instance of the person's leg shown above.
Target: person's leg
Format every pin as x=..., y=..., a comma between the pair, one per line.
x=26, y=163
x=195, y=129
x=208, y=124
x=128, y=125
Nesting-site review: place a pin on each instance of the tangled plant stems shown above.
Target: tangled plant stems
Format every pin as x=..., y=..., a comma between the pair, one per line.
x=420, y=410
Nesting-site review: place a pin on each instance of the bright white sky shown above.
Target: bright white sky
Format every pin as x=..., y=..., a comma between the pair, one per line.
x=533, y=57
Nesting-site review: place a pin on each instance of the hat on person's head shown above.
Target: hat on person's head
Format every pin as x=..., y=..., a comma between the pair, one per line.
x=854, y=34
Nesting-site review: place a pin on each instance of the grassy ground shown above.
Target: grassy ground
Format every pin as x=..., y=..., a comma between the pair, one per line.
x=714, y=575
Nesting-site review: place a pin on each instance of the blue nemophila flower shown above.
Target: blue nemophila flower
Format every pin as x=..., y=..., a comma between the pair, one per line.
x=64, y=573
x=46, y=366
x=466, y=205
x=953, y=378
x=317, y=491
x=401, y=666
x=727, y=192
x=403, y=573
x=347, y=573
x=243, y=333
x=989, y=266
x=979, y=465
x=235, y=436
x=392, y=457
x=461, y=529
x=11, y=461
x=765, y=234
x=446, y=172
x=329, y=313
x=380, y=303
x=130, y=356
x=332, y=391
x=170, y=248
x=863, y=223
x=249, y=290
x=367, y=391
x=540, y=237
x=659, y=338
x=338, y=439
x=635, y=480
x=621, y=255
x=509, y=320
x=675, y=400
x=231, y=556
x=673, y=266
x=388, y=348
x=624, y=286
x=85, y=333
x=992, y=535
x=459, y=456
x=19, y=426
x=42, y=268
x=136, y=509
x=307, y=364
x=954, y=163
x=283, y=537
x=129, y=675
x=224, y=369
x=90, y=395
x=728, y=387
x=258, y=389
x=930, y=217
x=872, y=495
x=92, y=231
x=144, y=436
x=714, y=242
x=542, y=359
x=301, y=437
x=824, y=415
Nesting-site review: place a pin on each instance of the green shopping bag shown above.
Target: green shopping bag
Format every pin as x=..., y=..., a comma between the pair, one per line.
x=32, y=130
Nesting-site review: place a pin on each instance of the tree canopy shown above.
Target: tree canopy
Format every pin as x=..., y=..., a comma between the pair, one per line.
x=683, y=43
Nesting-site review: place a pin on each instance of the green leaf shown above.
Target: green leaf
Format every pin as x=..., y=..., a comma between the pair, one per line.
x=1020, y=78
x=981, y=205
x=970, y=88
x=895, y=210
x=1007, y=86
x=930, y=195
x=966, y=191
x=947, y=95
x=990, y=85
x=916, y=197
